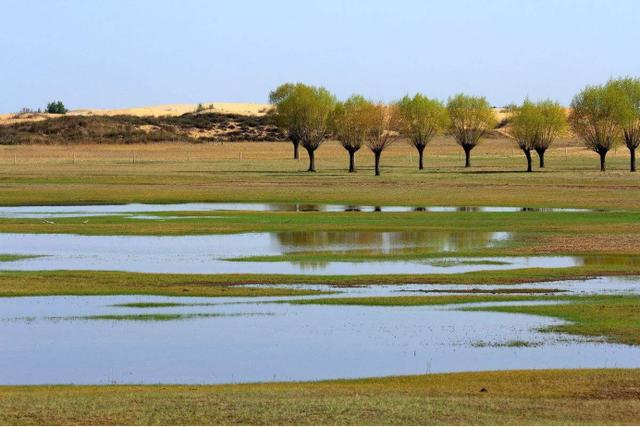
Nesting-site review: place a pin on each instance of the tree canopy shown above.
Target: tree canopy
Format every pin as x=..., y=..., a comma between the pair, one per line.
x=349, y=124
x=382, y=124
x=420, y=119
x=304, y=111
x=627, y=91
x=56, y=107
x=594, y=117
x=470, y=118
x=535, y=125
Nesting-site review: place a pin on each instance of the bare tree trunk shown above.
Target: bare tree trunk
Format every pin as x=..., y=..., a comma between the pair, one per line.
x=420, y=149
x=527, y=153
x=467, y=157
x=312, y=159
x=632, y=155
x=377, y=159
x=541, y=156
x=603, y=161
x=296, y=149
x=352, y=161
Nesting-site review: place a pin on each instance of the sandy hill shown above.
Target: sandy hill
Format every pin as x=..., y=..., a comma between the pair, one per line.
x=235, y=108
x=243, y=109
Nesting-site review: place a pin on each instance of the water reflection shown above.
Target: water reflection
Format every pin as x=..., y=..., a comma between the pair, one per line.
x=129, y=209
x=373, y=242
x=219, y=253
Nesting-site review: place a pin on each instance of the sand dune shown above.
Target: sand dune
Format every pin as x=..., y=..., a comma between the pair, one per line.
x=244, y=109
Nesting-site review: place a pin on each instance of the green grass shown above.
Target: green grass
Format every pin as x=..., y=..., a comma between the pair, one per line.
x=42, y=283
x=154, y=317
x=12, y=257
x=412, y=300
x=498, y=291
x=47, y=175
x=514, y=343
x=598, y=396
x=160, y=304
x=232, y=222
x=613, y=317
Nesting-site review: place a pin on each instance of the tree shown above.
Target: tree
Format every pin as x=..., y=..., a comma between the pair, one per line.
x=628, y=113
x=421, y=118
x=470, y=118
x=525, y=128
x=56, y=107
x=285, y=113
x=594, y=118
x=304, y=111
x=553, y=120
x=535, y=126
x=382, y=124
x=349, y=125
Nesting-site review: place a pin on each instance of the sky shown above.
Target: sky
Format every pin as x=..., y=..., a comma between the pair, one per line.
x=119, y=53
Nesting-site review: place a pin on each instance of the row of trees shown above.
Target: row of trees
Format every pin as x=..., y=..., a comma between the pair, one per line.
x=600, y=115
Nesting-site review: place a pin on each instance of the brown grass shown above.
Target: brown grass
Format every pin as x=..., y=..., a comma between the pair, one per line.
x=515, y=397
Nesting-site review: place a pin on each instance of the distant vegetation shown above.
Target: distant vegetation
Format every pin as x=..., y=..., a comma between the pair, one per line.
x=203, y=127
x=601, y=116
x=56, y=107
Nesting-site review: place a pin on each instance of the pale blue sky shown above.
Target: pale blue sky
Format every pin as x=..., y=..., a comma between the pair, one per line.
x=118, y=53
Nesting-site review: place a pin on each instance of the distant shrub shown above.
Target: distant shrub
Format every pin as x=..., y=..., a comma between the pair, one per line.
x=56, y=107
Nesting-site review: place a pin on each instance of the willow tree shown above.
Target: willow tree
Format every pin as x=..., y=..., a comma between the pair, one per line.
x=628, y=113
x=553, y=121
x=382, y=124
x=286, y=113
x=350, y=127
x=525, y=128
x=304, y=111
x=470, y=119
x=420, y=119
x=594, y=118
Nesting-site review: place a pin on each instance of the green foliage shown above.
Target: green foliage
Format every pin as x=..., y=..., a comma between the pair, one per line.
x=595, y=117
x=535, y=126
x=383, y=124
x=470, y=118
x=554, y=122
x=303, y=111
x=525, y=125
x=348, y=122
x=56, y=107
x=421, y=118
x=627, y=91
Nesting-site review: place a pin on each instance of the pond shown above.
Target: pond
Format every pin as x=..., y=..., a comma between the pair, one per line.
x=55, y=340
x=216, y=253
x=131, y=209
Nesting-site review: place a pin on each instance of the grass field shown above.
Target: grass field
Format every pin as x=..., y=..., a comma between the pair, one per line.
x=264, y=172
x=40, y=283
x=165, y=173
x=610, y=396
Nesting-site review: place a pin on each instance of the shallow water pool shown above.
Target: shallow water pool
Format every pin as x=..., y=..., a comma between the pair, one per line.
x=48, y=340
x=213, y=253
